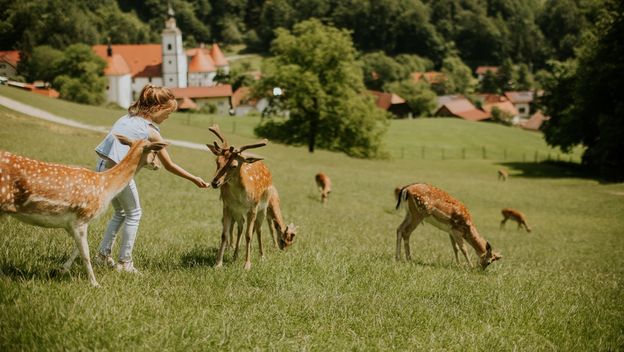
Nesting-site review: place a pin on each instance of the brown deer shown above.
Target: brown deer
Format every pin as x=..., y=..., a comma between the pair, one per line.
x=246, y=186
x=276, y=224
x=324, y=185
x=502, y=175
x=516, y=216
x=435, y=206
x=68, y=197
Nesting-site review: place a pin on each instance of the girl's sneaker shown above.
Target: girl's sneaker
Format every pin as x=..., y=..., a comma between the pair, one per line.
x=127, y=267
x=104, y=260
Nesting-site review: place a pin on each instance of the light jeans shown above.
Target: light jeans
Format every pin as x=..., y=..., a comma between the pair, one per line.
x=127, y=213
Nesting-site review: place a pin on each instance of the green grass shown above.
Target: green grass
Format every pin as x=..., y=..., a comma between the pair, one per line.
x=338, y=287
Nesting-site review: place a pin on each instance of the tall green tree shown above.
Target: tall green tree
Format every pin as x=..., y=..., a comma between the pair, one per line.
x=80, y=75
x=585, y=100
x=39, y=65
x=316, y=69
x=380, y=69
x=419, y=97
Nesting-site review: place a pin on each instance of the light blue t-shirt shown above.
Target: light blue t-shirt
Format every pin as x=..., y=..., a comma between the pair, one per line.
x=133, y=127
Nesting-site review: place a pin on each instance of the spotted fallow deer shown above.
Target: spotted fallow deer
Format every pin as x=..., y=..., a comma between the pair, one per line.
x=60, y=196
x=246, y=186
x=516, y=216
x=423, y=202
x=324, y=185
x=502, y=175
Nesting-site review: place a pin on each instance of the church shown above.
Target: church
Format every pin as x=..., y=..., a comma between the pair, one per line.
x=189, y=73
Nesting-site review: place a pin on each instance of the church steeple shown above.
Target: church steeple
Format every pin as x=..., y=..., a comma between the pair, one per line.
x=174, y=65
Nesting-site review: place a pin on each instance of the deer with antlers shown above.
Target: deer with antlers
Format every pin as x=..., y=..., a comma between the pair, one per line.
x=60, y=196
x=324, y=185
x=423, y=202
x=516, y=216
x=246, y=187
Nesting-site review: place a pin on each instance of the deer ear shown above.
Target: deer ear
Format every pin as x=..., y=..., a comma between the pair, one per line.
x=251, y=158
x=488, y=248
x=157, y=146
x=123, y=139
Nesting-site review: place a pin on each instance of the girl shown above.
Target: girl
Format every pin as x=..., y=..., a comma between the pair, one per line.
x=144, y=115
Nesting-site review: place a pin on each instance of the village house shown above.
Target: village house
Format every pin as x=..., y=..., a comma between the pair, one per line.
x=391, y=102
x=482, y=70
x=521, y=100
x=459, y=106
x=8, y=63
x=131, y=66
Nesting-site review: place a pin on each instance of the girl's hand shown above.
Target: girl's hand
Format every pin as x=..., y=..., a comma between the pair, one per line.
x=200, y=182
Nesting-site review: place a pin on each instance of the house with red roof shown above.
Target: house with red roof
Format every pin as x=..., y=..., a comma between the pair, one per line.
x=8, y=63
x=391, y=102
x=217, y=96
x=131, y=66
x=522, y=101
x=462, y=108
x=482, y=70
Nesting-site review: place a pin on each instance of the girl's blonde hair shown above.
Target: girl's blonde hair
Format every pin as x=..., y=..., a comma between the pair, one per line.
x=153, y=99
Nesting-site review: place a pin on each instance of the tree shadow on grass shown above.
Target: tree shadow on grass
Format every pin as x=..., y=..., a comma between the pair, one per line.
x=25, y=272
x=549, y=169
x=200, y=256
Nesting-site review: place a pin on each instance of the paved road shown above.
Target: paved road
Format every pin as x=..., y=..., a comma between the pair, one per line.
x=44, y=115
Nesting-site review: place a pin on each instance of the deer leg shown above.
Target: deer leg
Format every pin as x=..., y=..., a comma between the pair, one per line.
x=258, y=227
x=80, y=237
x=272, y=231
x=455, y=249
x=227, y=226
x=502, y=224
x=70, y=261
x=458, y=236
x=403, y=233
x=251, y=221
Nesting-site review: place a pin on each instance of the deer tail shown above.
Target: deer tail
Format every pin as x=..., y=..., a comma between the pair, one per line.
x=402, y=196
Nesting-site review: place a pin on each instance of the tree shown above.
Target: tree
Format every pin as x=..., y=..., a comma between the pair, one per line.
x=315, y=67
x=39, y=64
x=457, y=76
x=380, y=69
x=420, y=98
x=80, y=75
x=585, y=101
x=489, y=83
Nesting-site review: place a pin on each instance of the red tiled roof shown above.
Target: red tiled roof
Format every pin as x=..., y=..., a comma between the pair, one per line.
x=488, y=98
x=116, y=66
x=144, y=60
x=430, y=76
x=535, y=121
x=186, y=104
x=464, y=109
x=505, y=106
x=203, y=92
x=242, y=96
x=520, y=97
x=201, y=63
x=384, y=100
x=218, y=56
x=10, y=56
x=481, y=70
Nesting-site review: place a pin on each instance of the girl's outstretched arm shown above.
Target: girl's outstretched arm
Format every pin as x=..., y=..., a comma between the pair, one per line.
x=177, y=170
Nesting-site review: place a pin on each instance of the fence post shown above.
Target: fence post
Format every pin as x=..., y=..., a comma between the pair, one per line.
x=233, y=126
x=464, y=153
x=536, y=156
x=524, y=157
x=402, y=152
x=484, y=153
x=422, y=152
x=442, y=153
x=505, y=154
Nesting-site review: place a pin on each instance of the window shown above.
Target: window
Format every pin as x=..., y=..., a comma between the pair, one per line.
x=149, y=79
x=169, y=62
x=169, y=47
x=521, y=110
x=170, y=79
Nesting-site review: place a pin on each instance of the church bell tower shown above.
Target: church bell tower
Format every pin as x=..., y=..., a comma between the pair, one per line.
x=174, y=65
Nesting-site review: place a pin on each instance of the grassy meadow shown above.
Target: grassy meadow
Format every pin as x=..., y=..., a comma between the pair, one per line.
x=339, y=286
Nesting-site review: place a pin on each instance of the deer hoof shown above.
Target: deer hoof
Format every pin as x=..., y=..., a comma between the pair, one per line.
x=247, y=265
x=218, y=265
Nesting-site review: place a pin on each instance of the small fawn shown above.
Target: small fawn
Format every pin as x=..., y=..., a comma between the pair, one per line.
x=324, y=185
x=502, y=175
x=423, y=202
x=516, y=216
x=68, y=197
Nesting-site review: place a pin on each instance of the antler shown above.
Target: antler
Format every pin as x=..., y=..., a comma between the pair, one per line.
x=215, y=129
x=262, y=143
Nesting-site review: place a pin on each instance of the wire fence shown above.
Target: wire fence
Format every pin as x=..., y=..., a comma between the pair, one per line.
x=483, y=153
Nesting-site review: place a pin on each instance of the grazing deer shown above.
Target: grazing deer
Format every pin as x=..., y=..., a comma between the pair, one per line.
x=324, y=185
x=433, y=205
x=68, y=197
x=246, y=186
x=516, y=216
x=502, y=175
x=283, y=235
